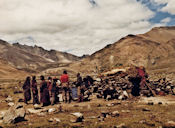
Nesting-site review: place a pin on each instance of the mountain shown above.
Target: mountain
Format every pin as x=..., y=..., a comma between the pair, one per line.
x=9, y=72
x=33, y=58
x=155, y=50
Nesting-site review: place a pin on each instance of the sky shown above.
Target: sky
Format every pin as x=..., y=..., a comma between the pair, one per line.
x=80, y=26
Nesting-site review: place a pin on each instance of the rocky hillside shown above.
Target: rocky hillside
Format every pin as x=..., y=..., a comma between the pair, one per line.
x=33, y=59
x=155, y=50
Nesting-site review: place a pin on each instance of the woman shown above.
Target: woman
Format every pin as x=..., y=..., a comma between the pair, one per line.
x=44, y=92
x=26, y=88
x=35, y=91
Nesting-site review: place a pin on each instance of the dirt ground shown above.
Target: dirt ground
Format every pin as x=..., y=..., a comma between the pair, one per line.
x=133, y=113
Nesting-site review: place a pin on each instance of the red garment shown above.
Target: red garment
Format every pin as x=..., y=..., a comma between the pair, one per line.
x=141, y=72
x=64, y=78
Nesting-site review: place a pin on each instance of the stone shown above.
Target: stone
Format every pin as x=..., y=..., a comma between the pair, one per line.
x=78, y=117
x=92, y=117
x=98, y=79
x=115, y=114
x=52, y=110
x=42, y=114
x=34, y=111
x=121, y=126
x=15, y=114
x=110, y=105
x=57, y=120
x=104, y=114
x=2, y=113
x=11, y=104
x=120, y=97
x=9, y=99
x=126, y=111
x=37, y=106
x=169, y=124
x=125, y=94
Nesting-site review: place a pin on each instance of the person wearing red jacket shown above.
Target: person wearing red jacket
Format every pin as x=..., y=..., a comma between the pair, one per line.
x=65, y=86
x=142, y=75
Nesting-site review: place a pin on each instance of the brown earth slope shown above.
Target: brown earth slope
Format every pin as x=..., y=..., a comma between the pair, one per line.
x=9, y=72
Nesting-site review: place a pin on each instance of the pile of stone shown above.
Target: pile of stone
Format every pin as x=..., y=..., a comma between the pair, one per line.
x=113, y=87
x=163, y=87
x=120, y=85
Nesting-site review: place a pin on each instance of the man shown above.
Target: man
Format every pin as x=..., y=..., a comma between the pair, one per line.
x=44, y=92
x=79, y=87
x=65, y=86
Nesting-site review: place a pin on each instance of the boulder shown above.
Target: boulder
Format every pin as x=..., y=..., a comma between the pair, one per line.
x=34, y=111
x=15, y=114
x=77, y=117
x=52, y=110
x=37, y=106
x=11, y=104
x=2, y=113
x=9, y=99
x=169, y=124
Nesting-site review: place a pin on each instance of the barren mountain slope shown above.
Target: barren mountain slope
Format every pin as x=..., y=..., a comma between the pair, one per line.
x=52, y=55
x=32, y=59
x=155, y=50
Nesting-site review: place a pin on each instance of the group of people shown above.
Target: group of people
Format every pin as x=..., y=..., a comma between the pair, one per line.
x=51, y=88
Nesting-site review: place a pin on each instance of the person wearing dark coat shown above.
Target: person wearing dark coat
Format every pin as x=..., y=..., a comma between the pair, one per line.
x=44, y=92
x=35, y=91
x=79, y=87
x=54, y=91
x=26, y=88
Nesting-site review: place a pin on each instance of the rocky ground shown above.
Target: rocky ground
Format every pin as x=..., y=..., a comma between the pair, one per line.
x=157, y=112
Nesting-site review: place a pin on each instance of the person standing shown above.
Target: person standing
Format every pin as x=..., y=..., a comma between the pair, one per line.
x=53, y=91
x=44, y=92
x=65, y=86
x=35, y=91
x=79, y=87
x=49, y=85
x=26, y=88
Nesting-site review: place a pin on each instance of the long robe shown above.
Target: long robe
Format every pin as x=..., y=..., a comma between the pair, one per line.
x=35, y=92
x=44, y=93
x=27, y=93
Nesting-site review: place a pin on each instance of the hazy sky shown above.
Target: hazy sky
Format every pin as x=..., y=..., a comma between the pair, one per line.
x=80, y=26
